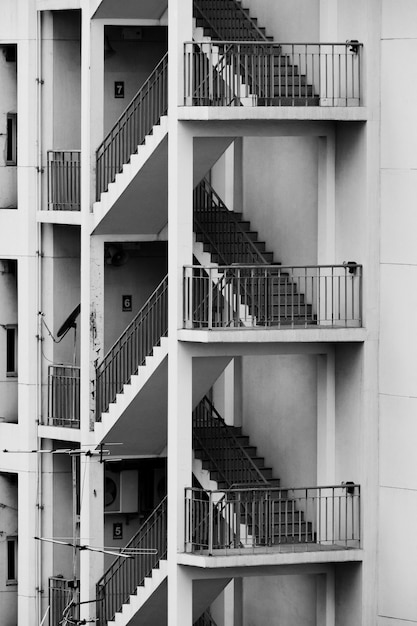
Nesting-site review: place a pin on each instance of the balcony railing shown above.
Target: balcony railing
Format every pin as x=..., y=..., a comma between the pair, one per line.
x=130, y=130
x=121, y=580
x=272, y=296
x=61, y=610
x=64, y=396
x=255, y=519
x=131, y=349
x=64, y=180
x=232, y=73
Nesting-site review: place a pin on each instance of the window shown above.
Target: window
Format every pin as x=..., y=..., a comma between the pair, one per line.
x=11, y=544
x=11, y=143
x=11, y=350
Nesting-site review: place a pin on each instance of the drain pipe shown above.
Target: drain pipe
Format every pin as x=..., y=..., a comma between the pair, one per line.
x=39, y=571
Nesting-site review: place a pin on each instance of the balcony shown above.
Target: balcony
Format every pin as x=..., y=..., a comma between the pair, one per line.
x=64, y=180
x=262, y=73
x=272, y=296
x=262, y=519
x=64, y=396
x=61, y=600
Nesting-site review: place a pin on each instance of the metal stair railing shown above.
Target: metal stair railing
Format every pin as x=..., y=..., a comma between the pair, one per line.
x=205, y=619
x=248, y=27
x=212, y=209
x=140, y=116
x=145, y=550
x=227, y=456
x=129, y=352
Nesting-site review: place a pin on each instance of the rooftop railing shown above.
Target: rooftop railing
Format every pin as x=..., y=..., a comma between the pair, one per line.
x=236, y=73
x=255, y=519
x=272, y=296
x=64, y=396
x=64, y=180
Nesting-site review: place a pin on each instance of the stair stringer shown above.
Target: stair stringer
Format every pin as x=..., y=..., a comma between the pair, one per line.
x=246, y=98
x=143, y=595
x=130, y=390
x=204, y=259
x=122, y=180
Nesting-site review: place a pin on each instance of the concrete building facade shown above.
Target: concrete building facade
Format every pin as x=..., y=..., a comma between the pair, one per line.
x=206, y=407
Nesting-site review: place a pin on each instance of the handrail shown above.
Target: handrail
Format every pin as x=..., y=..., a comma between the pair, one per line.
x=147, y=548
x=130, y=350
x=130, y=130
x=268, y=73
x=312, y=518
x=206, y=416
x=252, y=26
x=273, y=296
x=64, y=174
x=208, y=202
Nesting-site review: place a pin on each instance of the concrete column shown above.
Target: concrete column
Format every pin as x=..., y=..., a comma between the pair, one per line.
x=91, y=474
x=326, y=228
x=180, y=250
x=91, y=531
x=96, y=311
x=325, y=607
x=326, y=416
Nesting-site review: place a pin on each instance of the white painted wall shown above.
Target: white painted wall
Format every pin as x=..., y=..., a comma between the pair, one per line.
x=8, y=104
x=66, y=81
x=351, y=187
x=283, y=600
x=280, y=187
x=8, y=315
x=8, y=527
x=139, y=277
x=296, y=21
x=398, y=339
x=279, y=400
x=132, y=62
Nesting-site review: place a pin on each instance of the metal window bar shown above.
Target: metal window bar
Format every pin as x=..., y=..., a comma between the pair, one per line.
x=309, y=518
x=272, y=296
x=130, y=130
x=129, y=352
x=64, y=396
x=124, y=575
x=273, y=74
x=219, y=444
x=64, y=180
x=60, y=593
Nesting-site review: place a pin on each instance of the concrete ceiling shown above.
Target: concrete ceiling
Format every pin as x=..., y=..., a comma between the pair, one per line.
x=131, y=9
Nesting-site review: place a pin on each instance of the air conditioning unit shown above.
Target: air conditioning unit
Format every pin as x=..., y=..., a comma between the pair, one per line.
x=121, y=492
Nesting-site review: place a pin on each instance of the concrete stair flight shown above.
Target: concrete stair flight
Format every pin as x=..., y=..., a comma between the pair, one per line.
x=275, y=79
x=231, y=241
x=227, y=459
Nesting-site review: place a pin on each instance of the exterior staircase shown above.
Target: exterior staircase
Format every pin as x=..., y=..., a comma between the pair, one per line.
x=275, y=79
x=233, y=464
x=229, y=238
